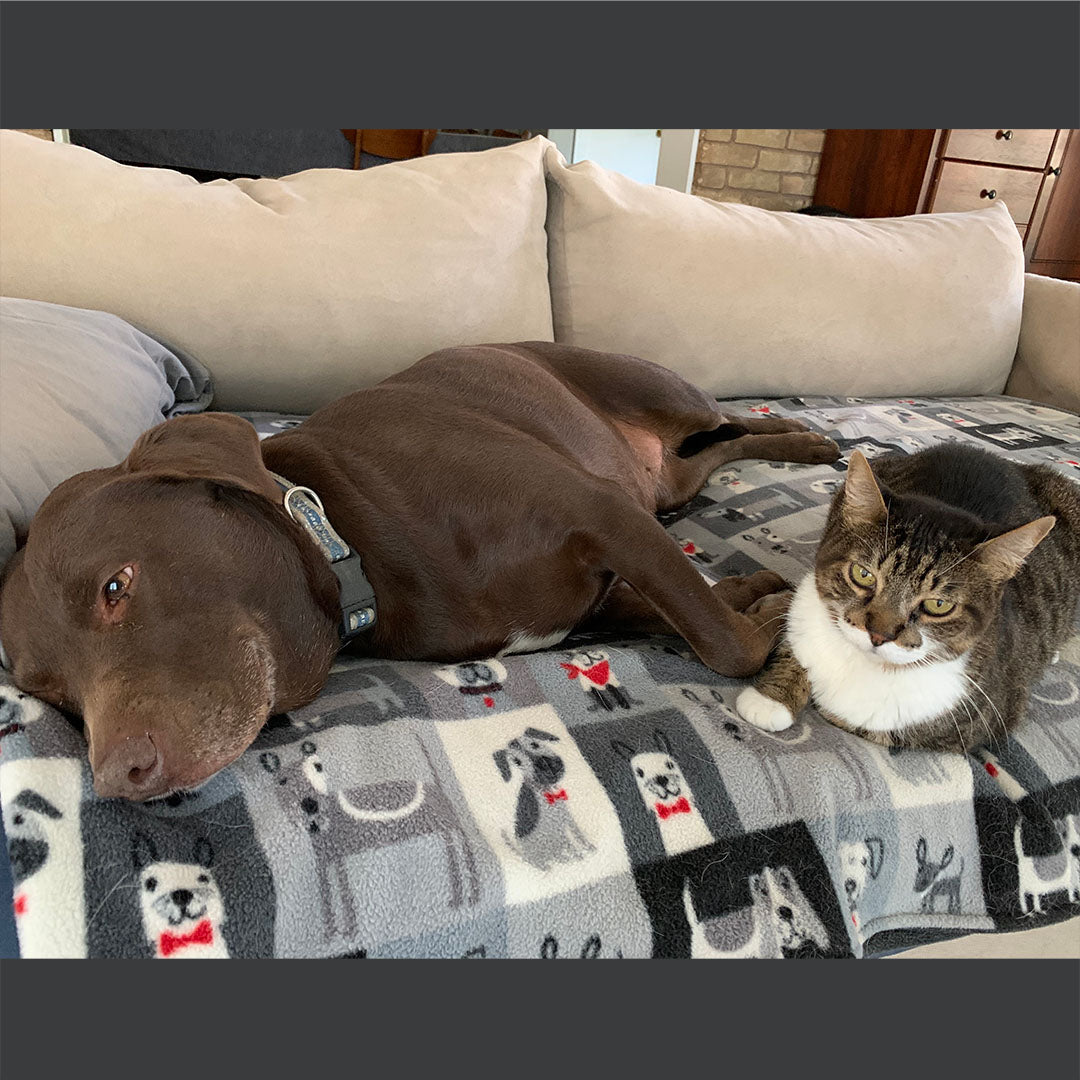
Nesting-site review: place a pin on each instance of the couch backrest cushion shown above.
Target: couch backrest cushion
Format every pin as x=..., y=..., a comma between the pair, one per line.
x=744, y=301
x=293, y=291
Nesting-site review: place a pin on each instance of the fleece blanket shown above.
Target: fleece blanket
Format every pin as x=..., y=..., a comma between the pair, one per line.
x=598, y=800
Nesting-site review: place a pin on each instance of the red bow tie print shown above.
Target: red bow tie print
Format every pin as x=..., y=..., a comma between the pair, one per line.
x=554, y=796
x=681, y=806
x=203, y=934
x=598, y=673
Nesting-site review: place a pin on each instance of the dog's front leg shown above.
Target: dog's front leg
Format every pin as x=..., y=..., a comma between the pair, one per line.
x=630, y=542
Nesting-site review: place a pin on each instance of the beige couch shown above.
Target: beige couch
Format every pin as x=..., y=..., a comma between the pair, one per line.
x=295, y=291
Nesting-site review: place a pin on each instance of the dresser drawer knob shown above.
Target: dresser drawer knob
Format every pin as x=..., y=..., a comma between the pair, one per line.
x=1006, y=135
x=1055, y=172
x=985, y=194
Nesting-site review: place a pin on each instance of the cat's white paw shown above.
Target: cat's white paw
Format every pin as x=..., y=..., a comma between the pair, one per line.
x=763, y=712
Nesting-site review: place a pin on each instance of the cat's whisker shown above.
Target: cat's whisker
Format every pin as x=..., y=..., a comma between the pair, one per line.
x=1001, y=719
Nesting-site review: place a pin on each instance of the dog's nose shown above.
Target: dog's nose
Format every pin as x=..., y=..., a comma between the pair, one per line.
x=181, y=897
x=784, y=912
x=132, y=769
x=849, y=886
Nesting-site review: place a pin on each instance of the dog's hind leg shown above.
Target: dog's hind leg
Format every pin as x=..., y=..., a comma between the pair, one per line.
x=681, y=478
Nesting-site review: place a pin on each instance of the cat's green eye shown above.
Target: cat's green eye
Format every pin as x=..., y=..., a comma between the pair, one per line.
x=936, y=606
x=861, y=576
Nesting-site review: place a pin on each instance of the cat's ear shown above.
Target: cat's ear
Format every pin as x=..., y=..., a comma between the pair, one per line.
x=1003, y=556
x=862, y=501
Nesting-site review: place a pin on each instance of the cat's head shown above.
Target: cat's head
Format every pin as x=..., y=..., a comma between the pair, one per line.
x=909, y=579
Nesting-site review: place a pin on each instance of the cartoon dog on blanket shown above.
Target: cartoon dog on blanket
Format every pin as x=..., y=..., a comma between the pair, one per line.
x=182, y=909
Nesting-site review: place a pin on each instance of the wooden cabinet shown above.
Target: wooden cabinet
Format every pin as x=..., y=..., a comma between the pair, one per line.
x=1034, y=171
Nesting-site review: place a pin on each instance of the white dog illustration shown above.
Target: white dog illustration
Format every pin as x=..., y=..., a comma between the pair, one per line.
x=667, y=795
x=182, y=910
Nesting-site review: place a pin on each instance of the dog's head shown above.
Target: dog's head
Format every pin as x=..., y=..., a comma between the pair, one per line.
x=860, y=862
x=1071, y=835
x=797, y=924
x=27, y=821
x=302, y=785
x=657, y=773
x=172, y=603
x=926, y=869
x=477, y=673
x=178, y=899
x=533, y=758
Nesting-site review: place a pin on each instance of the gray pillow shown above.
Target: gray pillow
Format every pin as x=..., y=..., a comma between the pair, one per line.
x=77, y=388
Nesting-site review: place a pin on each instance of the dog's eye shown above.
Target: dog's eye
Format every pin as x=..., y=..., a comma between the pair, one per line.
x=534, y=746
x=516, y=761
x=116, y=588
x=318, y=766
x=669, y=765
x=203, y=879
x=641, y=772
x=18, y=819
x=151, y=884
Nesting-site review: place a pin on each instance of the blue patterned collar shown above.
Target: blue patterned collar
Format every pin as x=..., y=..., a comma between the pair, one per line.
x=358, y=610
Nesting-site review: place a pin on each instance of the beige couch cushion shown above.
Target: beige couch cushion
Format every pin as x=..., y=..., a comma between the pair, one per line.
x=744, y=301
x=293, y=291
x=1047, y=365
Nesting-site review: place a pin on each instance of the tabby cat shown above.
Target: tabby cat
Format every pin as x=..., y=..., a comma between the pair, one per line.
x=944, y=583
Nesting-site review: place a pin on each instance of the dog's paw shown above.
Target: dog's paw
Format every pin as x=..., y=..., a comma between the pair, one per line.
x=812, y=448
x=763, y=712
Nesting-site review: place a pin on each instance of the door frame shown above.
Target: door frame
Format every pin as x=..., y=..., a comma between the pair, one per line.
x=675, y=166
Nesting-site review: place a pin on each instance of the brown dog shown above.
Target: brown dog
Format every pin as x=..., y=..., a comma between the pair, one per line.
x=498, y=495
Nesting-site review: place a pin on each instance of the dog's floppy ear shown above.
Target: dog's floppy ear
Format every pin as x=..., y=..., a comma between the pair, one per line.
x=622, y=749
x=31, y=800
x=536, y=733
x=528, y=812
x=204, y=852
x=503, y=764
x=876, y=847
x=662, y=742
x=211, y=446
x=143, y=851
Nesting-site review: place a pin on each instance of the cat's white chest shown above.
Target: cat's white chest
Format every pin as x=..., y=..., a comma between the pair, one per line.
x=858, y=688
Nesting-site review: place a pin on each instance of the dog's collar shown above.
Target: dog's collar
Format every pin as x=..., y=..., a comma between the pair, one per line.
x=357, y=596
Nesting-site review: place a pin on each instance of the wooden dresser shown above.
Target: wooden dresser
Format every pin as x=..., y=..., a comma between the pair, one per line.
x=1035, y=172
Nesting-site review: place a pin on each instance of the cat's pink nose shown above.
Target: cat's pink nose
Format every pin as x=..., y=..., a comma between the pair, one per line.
x=878, y=638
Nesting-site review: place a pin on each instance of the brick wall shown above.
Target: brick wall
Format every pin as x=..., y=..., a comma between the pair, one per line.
x=773, y=169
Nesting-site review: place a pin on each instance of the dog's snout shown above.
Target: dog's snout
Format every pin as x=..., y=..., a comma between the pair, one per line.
x=784, y=912
x=548, y=768
x=132, y=768
x=181, y=898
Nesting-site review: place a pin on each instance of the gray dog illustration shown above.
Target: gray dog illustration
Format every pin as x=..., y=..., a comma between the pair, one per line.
x=545, y=831
x=343, y=823
x=931, y=881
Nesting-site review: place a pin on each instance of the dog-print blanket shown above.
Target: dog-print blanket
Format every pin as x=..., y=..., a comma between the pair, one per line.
x=602, y=799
